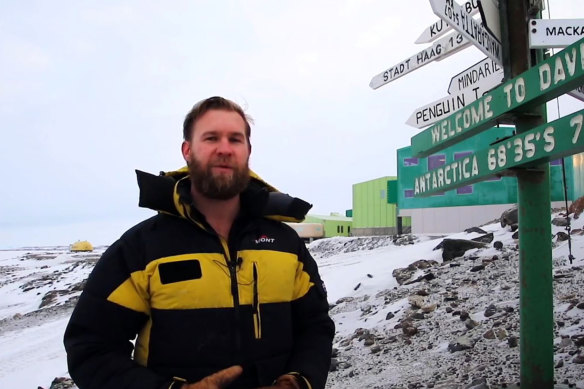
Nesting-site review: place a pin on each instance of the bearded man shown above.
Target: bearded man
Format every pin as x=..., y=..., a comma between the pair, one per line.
x=216, y=291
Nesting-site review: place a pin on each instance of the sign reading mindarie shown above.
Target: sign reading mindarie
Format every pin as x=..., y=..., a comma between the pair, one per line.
x=555, y=76
x=544, y=143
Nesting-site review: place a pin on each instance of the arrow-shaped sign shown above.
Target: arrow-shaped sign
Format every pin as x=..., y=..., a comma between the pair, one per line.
x=439, y=28
x=439, y=109
x=487, y=68
x=555, y=76
x=450, y=12
x=440, y=49
x=545, y=33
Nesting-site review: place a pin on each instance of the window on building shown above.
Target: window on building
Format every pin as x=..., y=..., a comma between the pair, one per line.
x=349, y=230
x=342, y=229
x=434, y=162
x=463, y=189
x=411, y=161
x=338, y=229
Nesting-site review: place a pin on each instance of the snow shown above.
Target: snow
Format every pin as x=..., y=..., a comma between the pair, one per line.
x=361, y=289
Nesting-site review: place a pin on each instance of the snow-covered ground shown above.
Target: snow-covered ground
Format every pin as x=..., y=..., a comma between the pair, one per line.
x=456, y=327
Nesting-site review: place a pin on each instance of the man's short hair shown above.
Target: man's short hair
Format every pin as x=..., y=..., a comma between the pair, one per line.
x=215, y=102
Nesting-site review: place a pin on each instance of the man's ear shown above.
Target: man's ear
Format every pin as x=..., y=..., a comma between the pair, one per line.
x=186, y=151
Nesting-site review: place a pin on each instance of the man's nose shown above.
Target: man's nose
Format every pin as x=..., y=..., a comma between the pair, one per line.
x=224, y=146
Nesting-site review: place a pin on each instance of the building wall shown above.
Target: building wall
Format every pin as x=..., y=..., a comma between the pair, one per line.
x=370, y=206
x=456, y=219
x=332, y=225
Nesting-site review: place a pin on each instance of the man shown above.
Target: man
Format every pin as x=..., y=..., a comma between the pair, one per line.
x=219, y=294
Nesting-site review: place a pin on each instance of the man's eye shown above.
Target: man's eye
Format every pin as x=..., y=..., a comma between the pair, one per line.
x=211, y=138
x=236, y=140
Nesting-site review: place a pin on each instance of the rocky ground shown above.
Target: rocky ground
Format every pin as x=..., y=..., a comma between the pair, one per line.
x=448, y=324
x=455, y=324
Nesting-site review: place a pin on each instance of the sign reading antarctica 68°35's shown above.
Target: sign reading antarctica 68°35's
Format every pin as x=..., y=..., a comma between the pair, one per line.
x=544, y=143
x=557, y=75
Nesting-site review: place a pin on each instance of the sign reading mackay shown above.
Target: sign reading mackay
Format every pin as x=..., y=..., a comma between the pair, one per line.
x=555, y=76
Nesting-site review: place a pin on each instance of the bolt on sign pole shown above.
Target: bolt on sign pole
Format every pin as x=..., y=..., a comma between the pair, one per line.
x=535, y=249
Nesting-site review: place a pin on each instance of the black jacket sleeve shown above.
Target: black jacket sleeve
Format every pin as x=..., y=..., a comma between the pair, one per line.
x=313, y=328
x=98, y=336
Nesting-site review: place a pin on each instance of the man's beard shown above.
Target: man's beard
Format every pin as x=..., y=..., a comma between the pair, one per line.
x=220, y=186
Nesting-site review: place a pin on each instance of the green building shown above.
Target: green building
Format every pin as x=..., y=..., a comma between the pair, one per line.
x=475, y=204
x=334, y=224
x=373, y=214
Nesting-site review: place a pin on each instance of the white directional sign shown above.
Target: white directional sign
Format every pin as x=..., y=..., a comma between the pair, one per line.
x=450, y=11
x=490, y=15
x=439, y=109
x=546, y=33
x=440, y=49
x=439, y=28
x=487, y=68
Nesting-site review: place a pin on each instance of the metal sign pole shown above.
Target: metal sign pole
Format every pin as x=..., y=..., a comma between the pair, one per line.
x=535, y=249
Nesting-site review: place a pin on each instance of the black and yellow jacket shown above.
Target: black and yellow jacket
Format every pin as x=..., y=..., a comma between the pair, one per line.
x=199, y=303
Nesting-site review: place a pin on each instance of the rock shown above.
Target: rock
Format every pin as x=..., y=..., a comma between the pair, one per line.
x=490, y=334
x=389, y=316
x=404, y=274
x=375, y=349
x=560, y=221
x=452, y=248
x=580, y=306
x=515, y=235
x=335, y=352
x=578, y=340
x=578, y=359
x=477, y=268
x=559, y=364
x=513, y=341
x=501, y=333
x=429, y=308
x=334, y=364
x=470, y=324
x=487, y=238
x=62, y=383
x=498, y=245
x=509, y=217
x=416, y=301
x=418, y=316
x=357, y=287
x=576, y=207
x=475, y=229
x=464, y=315
x=369, y=341
x=562, y=236
x=409, y=330
x=478, y=383
x=461, y=343
x=422, y=292
x=490, y=311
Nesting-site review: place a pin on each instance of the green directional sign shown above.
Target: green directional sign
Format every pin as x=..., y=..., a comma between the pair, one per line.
x=555, y=76
x=544, y=143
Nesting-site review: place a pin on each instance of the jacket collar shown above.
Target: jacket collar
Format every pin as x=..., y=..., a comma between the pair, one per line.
x=170, y=193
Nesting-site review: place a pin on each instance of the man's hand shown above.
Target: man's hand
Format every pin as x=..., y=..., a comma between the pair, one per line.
x=219, y=380
x=284, y=382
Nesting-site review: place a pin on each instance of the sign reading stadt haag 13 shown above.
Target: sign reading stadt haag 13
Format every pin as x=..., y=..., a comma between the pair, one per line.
x=544, y=143
x=555, y=76
x=474, y=31
x=440, y=49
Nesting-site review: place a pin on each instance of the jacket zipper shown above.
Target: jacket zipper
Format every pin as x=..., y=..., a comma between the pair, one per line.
x=257, y=320
x=232, y=266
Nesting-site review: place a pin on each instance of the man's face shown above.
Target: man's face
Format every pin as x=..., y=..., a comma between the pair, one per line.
x=218, y=155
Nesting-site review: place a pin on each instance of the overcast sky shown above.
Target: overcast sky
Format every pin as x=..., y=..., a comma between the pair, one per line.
x=91, y=90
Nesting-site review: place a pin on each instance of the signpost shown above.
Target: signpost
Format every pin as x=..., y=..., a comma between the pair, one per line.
x=486, y=69
x=442, y=48
x=433, y=112
x=439, y=28
x=450, y=11
x=544, y=143
x=553, y=33
x=549, y=79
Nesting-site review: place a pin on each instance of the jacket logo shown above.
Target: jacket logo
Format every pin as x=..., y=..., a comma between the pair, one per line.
x=264, y=239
